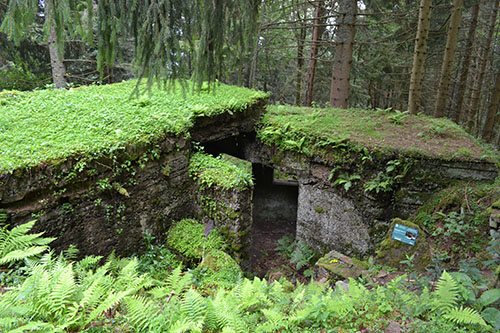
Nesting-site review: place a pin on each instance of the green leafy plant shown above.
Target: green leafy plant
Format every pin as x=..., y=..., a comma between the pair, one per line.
x=16, y=244
x=398, y=116
x=346, y=180
x=445, y=303
x=60, y=295
x=303, y=255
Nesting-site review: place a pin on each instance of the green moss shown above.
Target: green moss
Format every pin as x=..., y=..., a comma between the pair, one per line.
x=496, y=204
x=331, y=133
x=99, y=120
x=221, y=269
x=187, y=238
x=209, y=171
x=319, y=210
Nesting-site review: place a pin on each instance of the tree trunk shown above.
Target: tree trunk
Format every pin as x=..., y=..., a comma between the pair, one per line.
x=318, y=30
x=253, y=67
x=300, y=56
x=492, y=111
x=417, y=72
x=466, y=65
x=449, y=55
x=56, y=64
x=476, y=93
x=341, y=72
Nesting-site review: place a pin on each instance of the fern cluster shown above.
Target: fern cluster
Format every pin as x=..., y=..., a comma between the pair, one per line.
x=60, y=294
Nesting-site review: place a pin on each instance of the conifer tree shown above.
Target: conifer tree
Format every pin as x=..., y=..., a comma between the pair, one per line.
x=339, y=89
x=418, y=69
x=449, y=54
x=21, y=14
x=165, y=32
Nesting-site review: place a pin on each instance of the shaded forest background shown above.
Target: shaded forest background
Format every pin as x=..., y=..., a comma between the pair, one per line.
x=297, y=50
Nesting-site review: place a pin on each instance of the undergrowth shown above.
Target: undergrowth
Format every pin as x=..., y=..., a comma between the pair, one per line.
x=457, y=220
x=61, y=294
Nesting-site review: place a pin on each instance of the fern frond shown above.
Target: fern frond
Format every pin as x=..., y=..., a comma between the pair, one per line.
x=95, y=292
x=177, y=282
x=193, y=306
x=62, y=291
x=464, y=316
x=17, y=244
x=34, y=326
x=446, y=293
x=112, y=300
x=88, y=263
x=17, y=255
x=142, y=313
x=185, y=325
x=223, y=312
x=276, y=321
x=252, y=293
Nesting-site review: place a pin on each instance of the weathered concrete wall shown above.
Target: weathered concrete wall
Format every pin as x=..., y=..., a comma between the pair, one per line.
x=105, y=204
x=352, y=221
x=230, y=211
x=326, y=219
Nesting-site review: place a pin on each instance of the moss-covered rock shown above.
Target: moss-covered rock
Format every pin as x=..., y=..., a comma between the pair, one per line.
x=222, y=269
x=187, y=238
x=391, y=252
x=336, y=265
x=496, y=204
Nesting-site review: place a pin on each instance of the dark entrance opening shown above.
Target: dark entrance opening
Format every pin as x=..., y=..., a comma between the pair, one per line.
x=232, y=146
x=274, y=216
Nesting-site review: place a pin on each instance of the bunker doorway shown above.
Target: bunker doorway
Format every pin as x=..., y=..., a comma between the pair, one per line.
x=275, y=202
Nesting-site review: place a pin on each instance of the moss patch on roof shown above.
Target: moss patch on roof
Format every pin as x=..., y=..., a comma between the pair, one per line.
x=221, y=172
x=45, y=125
x=312, y=131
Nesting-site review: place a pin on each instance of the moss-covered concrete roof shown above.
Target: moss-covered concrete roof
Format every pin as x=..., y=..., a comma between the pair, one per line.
x=46, y=125
x=312, y=130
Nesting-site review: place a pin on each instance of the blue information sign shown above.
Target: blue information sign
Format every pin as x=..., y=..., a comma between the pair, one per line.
x=405, y=234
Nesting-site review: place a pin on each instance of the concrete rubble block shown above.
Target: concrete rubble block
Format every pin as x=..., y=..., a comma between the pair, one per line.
x=337, y=265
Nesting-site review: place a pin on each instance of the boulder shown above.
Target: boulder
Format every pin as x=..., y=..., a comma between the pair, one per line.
x=391, y=252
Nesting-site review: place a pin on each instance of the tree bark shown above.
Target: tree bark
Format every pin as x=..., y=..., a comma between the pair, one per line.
x=476, y=93
x=339, y=91
x=253, y=67
x=56, y=64
x=467, y=61
x=449, y=55
x=300, y=56
x=492, y=111
x=417, y=72
x=318, y=30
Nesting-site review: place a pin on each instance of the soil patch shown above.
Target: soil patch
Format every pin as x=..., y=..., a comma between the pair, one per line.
x=263, y=253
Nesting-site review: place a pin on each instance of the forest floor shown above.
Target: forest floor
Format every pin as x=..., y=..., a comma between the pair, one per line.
x=264, y=256
x=266, y=261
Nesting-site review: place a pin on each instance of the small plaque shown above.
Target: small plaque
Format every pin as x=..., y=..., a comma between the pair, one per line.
x=405, y=234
